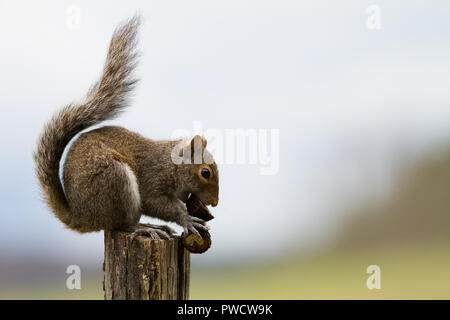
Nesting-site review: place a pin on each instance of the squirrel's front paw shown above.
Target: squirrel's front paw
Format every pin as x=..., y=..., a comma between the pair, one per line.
x=191, y=224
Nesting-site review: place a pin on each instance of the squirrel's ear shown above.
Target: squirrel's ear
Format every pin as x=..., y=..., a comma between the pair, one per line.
x=198, y=141
x=193, y=149
x=198, y=144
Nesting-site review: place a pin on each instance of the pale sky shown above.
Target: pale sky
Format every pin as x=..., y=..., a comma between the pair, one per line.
x=351, y=104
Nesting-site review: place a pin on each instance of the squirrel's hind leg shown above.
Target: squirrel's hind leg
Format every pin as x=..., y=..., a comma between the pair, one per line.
x=104, y=195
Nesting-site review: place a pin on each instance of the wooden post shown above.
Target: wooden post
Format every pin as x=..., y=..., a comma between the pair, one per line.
x=145, y=269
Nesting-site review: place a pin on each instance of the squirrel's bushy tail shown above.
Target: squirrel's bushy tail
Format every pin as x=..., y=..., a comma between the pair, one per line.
x=105, y=99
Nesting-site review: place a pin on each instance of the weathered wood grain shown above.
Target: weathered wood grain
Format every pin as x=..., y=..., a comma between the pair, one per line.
x=145, y=269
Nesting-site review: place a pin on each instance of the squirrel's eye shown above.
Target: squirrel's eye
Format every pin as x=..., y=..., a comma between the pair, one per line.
x=205, y=173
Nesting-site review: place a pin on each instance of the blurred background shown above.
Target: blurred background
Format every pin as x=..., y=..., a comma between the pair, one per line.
x=364, y=150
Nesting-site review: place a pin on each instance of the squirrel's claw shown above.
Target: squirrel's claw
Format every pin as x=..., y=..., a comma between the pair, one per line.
x=201, y=226
x=193, y=225
x=192, y=229
x=155, y=234
x=171, y=232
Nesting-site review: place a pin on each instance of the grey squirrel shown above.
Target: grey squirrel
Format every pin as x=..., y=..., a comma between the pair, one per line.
x=112, y=176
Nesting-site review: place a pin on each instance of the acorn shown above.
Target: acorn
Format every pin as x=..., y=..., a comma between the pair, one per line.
x=192, y=242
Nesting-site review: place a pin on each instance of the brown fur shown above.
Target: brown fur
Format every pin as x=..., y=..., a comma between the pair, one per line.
x=98, y=192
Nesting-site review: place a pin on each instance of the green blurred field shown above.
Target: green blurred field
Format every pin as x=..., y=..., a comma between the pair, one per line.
x=409, y=272
x=414, y=272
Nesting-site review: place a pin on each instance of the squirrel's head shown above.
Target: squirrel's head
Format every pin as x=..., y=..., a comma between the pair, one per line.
x=201, y=174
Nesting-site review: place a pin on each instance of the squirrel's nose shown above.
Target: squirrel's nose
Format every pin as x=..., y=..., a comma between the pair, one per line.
x=215, y=202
